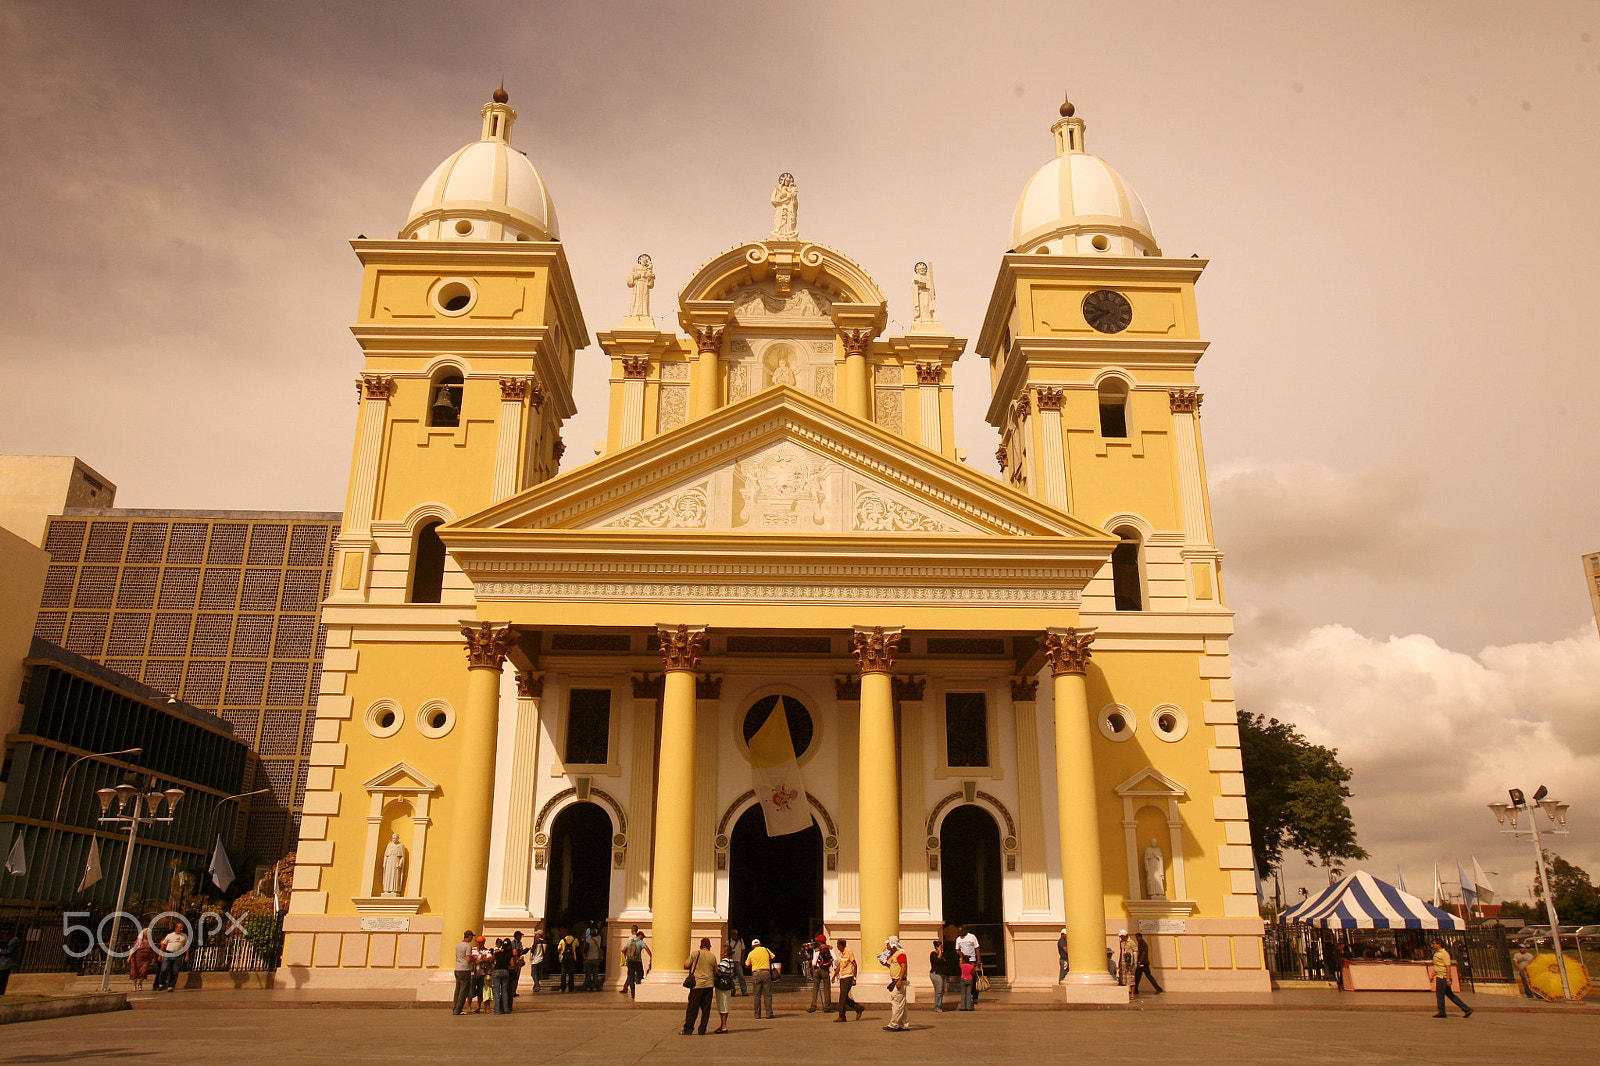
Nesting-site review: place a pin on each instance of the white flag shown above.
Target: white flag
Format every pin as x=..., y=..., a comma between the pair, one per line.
x=221, y=870
x=1480, y=881
x=91, y=869
x=776, y=774
x=1400, y=879
x=17, y=861
x=1438, y=893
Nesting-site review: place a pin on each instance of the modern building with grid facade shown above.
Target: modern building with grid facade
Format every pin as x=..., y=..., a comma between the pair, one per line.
x=216, y=608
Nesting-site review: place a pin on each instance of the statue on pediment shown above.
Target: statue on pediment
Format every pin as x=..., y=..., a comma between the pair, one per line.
x=641, y=281
x=785, y=208
x=922, y=294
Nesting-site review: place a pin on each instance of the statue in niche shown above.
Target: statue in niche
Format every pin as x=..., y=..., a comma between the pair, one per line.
x=1155, y=873
x=641, y=281
x=780, y=363
x=922, y=294
x=785, y=208
x=394, y=865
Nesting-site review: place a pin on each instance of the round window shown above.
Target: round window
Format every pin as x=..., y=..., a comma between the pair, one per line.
x=1169, y=722
x=383, y=718
x=435, y=718
x=1117, y=722
x=801, y=729
x=454, y=296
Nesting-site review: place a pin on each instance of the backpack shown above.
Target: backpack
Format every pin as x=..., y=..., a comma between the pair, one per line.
x=722, y=979
x=631, y=952
x=823, y=958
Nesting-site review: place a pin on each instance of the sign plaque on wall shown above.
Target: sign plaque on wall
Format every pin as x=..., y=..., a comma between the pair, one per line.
x=1163, y=925
x=387, y=925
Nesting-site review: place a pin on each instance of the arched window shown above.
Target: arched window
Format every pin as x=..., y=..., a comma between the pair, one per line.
x=1126, y=579
x=1113, y=408
x=444, y=400
x=427, y=566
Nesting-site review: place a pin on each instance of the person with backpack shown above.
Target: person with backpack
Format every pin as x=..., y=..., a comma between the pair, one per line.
x=567, y=956
x=723, y=981
x=821, y=974
x=633, y=956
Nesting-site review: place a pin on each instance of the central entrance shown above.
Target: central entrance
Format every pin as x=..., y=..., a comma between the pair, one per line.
x=775, y=886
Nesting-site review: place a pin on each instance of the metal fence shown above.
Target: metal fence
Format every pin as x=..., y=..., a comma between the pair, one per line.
x=1304, y=953
x=56, y=941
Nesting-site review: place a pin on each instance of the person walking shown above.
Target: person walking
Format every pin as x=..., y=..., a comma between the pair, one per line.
x=723, y=983
x=463, y=973
x=500, y=974
x=1127, y=958
x=897, y=986
x=821, y=975
x=1441, y=981
x=174, y=946
x=140, y=960
x=1061, y=955
x=1141, y=966
x=844, y=968
x=760, y=961
x=567, y=956
x=702, y=967
x=633, y=955
x=736, y=942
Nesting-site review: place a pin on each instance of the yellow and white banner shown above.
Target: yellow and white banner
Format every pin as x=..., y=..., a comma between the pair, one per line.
x=776, y=774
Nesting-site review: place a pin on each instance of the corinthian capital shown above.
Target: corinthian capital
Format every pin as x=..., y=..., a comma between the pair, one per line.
x=487, y=645
x=1068, y=650
x=1049, y=399
x=377, y=386
x=681, y=647
x=874, y=648
x=636, y=366
x=856, y=341
x=708, y=338
x=1185, y=401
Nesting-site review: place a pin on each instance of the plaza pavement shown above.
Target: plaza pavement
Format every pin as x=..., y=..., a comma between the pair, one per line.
x=1300, y=1028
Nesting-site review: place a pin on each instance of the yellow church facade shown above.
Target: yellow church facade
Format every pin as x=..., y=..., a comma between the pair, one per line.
x=1009, y=697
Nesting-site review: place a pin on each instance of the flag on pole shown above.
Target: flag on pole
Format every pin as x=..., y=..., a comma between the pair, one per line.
x=776, y=774
x=221, y=870
x=275, y=887
x=1480, y=882
x=91, y=869
x=1468, y=895
x=17, y=861
x=1399, y=879
x=1438, y=893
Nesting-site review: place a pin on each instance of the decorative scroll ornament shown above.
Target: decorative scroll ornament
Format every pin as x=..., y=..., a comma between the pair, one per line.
x=1022, y=407
x=1050, y=399
x=487, y=645
x=875, y=650
x=1068, y=652
x=516, y=389
x=909, y=688
x=686, y=510
x=1000, y=456
x=856, y=341
x=681, y=647
x=558, y=449
x=1185, y=401
x=708, y=339
x=635, y=366
x=876, y=513
x=377, y=386
x=530, y=686
x=930, y=373
x=1024, y=689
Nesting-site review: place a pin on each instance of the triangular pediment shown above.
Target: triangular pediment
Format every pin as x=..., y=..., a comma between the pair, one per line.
x=1151, y=782
x=401, y=777
x=780, y=463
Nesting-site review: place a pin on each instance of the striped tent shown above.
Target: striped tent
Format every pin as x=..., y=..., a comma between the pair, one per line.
x=1361, y=901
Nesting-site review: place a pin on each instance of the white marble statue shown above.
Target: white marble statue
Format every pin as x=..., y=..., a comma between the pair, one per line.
x=394, y=865
x=641, y=281
x=922, y=294
x=1155, y=873
x=785, y=209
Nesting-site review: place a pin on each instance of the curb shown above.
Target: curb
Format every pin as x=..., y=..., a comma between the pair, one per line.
x=63, y=1007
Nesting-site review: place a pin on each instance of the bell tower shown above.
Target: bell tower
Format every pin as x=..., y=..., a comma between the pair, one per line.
x=1092, y=340
x=468, y=323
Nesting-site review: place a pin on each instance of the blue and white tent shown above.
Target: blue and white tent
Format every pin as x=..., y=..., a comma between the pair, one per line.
x=1361, y=901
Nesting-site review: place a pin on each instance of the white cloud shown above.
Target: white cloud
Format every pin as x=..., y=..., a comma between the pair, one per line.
x=1433, y=735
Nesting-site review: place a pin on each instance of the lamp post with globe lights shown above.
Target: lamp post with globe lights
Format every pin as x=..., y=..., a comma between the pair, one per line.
x=127, y=800
x=1556, y=812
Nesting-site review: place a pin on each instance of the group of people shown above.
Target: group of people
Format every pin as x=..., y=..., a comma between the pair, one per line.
x=498, y=966
x=1132, y=963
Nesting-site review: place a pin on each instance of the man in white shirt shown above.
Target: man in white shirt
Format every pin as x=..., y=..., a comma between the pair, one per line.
x=966, y=944
x=173, y=948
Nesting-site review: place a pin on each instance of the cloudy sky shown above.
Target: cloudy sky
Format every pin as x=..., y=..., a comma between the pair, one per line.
x=1397, y=201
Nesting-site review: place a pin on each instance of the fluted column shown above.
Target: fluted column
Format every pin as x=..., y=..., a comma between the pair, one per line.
x=1185, y=405
x=520, y=794
x=672, y=877
x=513, y=391
x=878, y=806
x=634, y=371
x=1082, y=886
x=376, y=390
x=470, y=809
x=1053, y=464
x=929, y=377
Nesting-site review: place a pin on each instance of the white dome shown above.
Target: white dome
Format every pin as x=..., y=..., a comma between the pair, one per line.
x=488, y=191
x=1077, y=205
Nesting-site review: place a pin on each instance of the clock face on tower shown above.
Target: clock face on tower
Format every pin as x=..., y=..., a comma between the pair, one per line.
x=1107, y=311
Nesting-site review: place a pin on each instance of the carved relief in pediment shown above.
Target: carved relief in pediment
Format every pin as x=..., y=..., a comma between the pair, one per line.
x=764, y=301
x=689, y=509
x=877, y=512
x=783, y=487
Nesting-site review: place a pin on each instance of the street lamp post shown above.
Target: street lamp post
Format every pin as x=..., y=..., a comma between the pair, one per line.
x=55, y=820
x=127, y=800
x=1556, y=812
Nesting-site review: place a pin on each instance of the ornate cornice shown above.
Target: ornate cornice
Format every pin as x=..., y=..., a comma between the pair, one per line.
x=635, y=367
x=1024, y=689
x=847, y=689
x=708, y=339
x=1068, y=651
x=1050, y=399
x=1022, y=407
x=874, y=649
x=930, y=373
x=487, y=645
x=377, y=386
x=856, y=341
x=530, y=686
x=909, y=688
x=647, y=687
x=707, y=687
x=681, y=647
x=515, y=390
x=1185, y=401
x=1000, y=456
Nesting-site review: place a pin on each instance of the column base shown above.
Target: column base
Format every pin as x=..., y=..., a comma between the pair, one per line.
x=874, y=988
x=1091, y=988
x=440, y=988
x=662, y=986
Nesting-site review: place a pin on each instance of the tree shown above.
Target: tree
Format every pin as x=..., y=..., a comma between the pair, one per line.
x=1296, y=792
x=1577, y=899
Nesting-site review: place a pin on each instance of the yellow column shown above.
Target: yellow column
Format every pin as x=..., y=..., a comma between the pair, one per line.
x=672, y=877
x=878, y=806
x=705, y=385
x=857, y=390
x=471, y=798
x=1082, y=886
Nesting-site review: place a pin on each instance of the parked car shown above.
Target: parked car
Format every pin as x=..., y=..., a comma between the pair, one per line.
x=1539, y=935
x=1588, y=937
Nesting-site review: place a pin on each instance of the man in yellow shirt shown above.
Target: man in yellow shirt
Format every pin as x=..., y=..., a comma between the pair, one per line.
x=1441, y=981
x=760, y=962
x=897, y=986
x=844, y=969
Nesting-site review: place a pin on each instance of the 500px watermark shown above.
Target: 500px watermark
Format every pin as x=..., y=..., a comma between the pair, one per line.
x=95, y=936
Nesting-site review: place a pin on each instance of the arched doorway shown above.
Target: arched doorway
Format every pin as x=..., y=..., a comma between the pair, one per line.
x=970, y=878
x=774, y=885
x=578, y=879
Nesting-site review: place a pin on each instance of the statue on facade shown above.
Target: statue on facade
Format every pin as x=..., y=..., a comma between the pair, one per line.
x=922, y=294
x=394, y=864
x=1155, y=873
x=786, y=208
x=641, y=281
